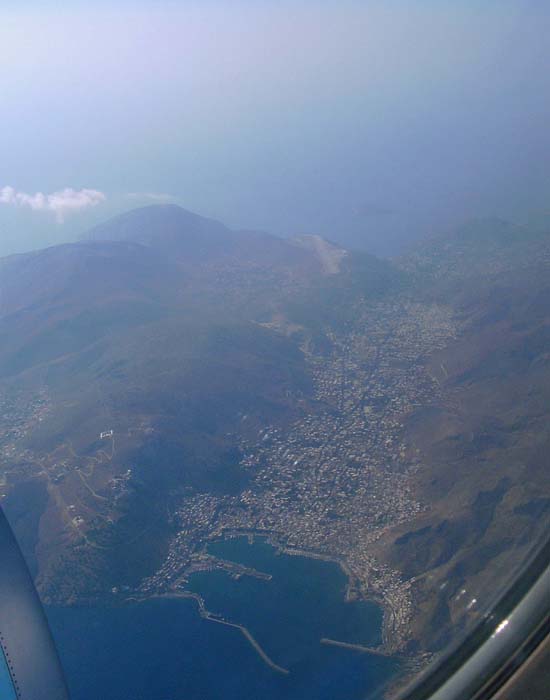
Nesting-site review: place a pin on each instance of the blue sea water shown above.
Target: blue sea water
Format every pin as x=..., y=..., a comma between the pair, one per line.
x=162, y=649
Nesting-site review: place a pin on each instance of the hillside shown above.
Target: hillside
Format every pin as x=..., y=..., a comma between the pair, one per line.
x=482, y=444
x=141, y=337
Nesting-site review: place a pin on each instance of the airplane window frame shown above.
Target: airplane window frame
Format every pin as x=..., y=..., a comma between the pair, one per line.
x=478, y=665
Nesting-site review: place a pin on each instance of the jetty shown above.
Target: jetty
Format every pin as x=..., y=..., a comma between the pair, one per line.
x=244, y=631
x=212, y=617
x=354, y=647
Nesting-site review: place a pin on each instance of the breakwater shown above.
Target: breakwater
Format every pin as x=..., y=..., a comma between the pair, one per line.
x=354, y=647
x=213, y=617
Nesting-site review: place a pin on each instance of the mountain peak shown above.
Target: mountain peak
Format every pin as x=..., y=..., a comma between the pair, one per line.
x=158, y=224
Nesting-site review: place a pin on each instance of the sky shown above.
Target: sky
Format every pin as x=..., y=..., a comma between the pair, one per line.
x=371, y=122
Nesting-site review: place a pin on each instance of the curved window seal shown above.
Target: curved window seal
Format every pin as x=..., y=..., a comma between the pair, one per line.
x=479, y=665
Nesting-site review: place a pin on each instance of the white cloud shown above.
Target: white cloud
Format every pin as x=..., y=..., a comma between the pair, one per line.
x=60, y=203
x=154, y=196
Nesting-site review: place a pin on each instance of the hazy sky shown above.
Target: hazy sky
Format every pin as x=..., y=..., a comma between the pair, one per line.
x=369, y=122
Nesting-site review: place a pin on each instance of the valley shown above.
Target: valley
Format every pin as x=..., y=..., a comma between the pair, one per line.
x=176, y=384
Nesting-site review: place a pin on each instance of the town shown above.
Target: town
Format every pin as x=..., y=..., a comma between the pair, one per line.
x=330, y=484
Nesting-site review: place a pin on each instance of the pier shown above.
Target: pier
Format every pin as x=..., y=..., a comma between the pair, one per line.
x=354, y=647
x=253, y=642
x=212, y=617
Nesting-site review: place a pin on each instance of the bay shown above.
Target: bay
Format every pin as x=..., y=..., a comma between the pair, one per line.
x=161, y=649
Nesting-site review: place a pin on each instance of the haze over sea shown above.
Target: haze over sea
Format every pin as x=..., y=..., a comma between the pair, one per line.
x=162, y=649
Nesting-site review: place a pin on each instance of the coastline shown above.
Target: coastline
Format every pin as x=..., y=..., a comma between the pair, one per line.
x=393, y=633
x=354, y=591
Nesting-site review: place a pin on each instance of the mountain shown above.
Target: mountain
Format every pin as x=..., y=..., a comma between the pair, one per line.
x=194, y=240
x=168, y=379
x=152, y=323
x=163, y=225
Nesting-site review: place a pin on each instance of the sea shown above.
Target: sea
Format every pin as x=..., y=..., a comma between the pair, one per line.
x=162, y=649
